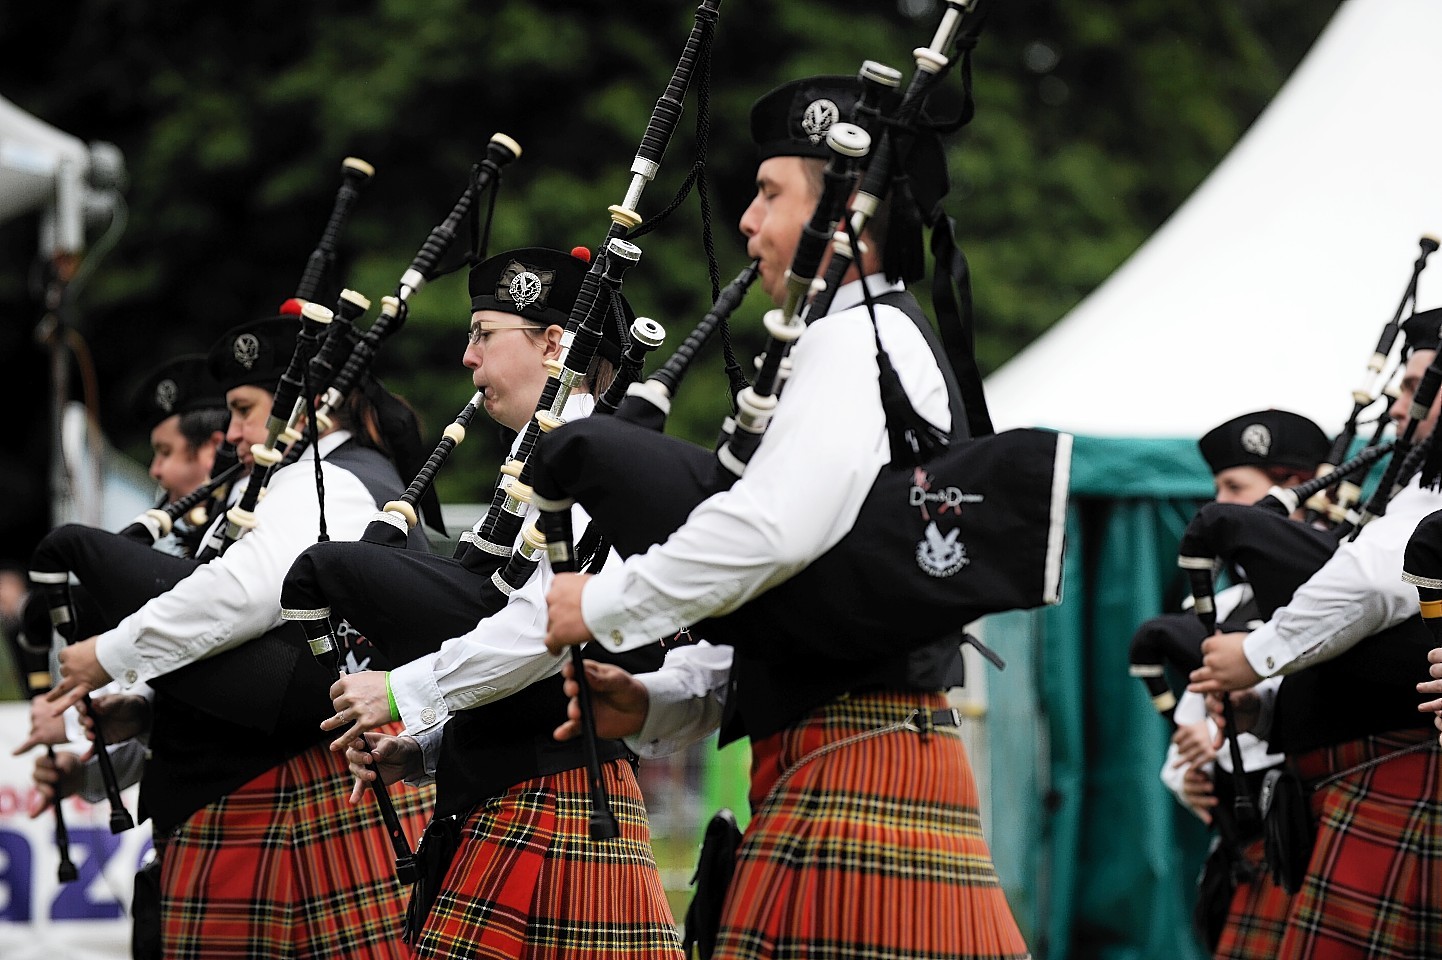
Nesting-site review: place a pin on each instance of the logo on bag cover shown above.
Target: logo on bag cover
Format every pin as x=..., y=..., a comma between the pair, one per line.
x=943, y=498
x=941, y=555
x=358, y=649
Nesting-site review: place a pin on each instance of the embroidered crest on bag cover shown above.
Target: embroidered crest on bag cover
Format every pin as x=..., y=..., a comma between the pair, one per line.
x=939, y=554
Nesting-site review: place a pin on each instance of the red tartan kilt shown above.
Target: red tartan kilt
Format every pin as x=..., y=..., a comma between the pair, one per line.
x=871, y=850
x=1257, y=918
x=529, y=882
x=286, y=867
x=1373, y=882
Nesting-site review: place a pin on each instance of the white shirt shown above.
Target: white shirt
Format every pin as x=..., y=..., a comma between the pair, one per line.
x=801, y=492
x=1358, y=592
x=1192, y=708
x=503, y=654
x=236, y=596
x=688, y=697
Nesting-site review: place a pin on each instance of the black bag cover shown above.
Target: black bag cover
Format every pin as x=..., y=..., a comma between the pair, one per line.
x=1278, y=554
x=712, y=879
x=978, y=531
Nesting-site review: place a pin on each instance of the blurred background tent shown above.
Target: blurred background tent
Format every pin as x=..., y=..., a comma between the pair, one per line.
x=1094, y=122
x=1267, y=288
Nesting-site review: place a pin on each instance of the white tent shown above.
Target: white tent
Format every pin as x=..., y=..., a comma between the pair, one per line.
x=1269, y=286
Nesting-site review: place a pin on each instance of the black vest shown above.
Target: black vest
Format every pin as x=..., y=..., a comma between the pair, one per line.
x=222, y=721
x=768, y=693
x=1369, y=689
x=488, y=749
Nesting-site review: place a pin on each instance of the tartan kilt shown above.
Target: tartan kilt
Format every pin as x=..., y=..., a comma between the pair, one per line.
x=286, y=868
x=1257, y=917
x=870, y=849
x=1374, y=882
x=529, y=882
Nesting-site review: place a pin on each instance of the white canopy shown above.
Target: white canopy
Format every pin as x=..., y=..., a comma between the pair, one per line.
x=1270, y=285
x=42, y=167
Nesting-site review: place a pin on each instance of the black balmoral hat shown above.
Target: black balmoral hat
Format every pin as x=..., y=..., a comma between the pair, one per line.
x=1264, y=439
x=255, y=353
x=792, y=121
x=1423, y=330
x=179, y=386
x=540, y=284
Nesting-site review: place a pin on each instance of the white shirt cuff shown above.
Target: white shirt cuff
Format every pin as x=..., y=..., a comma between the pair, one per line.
x=120, y=658
x=605, y=613
x=418, y=696
x=1266, y=651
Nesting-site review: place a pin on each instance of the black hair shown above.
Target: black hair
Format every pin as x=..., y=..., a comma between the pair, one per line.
x=197, y=426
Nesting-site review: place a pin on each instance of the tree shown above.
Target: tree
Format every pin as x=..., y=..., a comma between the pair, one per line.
x=1092, y=124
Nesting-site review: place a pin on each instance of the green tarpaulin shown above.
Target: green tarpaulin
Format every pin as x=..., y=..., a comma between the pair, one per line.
x=1097, y=858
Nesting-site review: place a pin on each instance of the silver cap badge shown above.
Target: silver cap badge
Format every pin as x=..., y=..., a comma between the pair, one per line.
x=246, y=350
x=818, y=118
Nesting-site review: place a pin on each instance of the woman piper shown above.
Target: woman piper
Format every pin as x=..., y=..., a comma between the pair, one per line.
x=260, y=853
x=525, y=879
x=1247, y=456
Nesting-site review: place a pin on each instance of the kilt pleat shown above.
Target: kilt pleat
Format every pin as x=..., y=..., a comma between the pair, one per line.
x=286, y=868
x=1374, y=882
x=1257, y=916
x=871, y=849
x=529, y=883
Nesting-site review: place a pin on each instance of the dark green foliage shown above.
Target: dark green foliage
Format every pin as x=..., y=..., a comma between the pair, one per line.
x=1094, y=121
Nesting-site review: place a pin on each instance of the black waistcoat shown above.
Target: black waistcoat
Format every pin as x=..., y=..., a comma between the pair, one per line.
x=490, y=748
x=1369, y=689
x=770, y=692
x=222, y=721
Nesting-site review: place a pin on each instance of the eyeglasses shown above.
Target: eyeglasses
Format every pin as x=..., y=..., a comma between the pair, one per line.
x=481, y=327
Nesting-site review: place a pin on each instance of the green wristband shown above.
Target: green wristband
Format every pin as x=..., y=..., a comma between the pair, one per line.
x=391, y=696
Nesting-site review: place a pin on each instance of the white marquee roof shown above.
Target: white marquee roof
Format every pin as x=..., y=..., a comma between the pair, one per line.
x=1269, y=286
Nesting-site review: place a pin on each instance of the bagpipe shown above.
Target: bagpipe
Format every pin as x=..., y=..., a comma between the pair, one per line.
x=443, y=598
x=1340, y=508
x=321, y=580
x=118, y=573
x=1280, y=555
x=32, y=662
x=1408, y=457
x=295, y=389
x=195, y=508
x=993, y=509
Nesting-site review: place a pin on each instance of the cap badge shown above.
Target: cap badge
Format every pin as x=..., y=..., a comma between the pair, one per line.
x=246, y=350
x=818, y=118
x=523, y=286
x=165, y=393
x=1257, y=439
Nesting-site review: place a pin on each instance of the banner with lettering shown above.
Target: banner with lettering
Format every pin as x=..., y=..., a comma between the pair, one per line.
x=41, y=918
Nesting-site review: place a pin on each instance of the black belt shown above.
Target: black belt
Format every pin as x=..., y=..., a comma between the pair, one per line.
x=477, y=770
x=929, y=720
